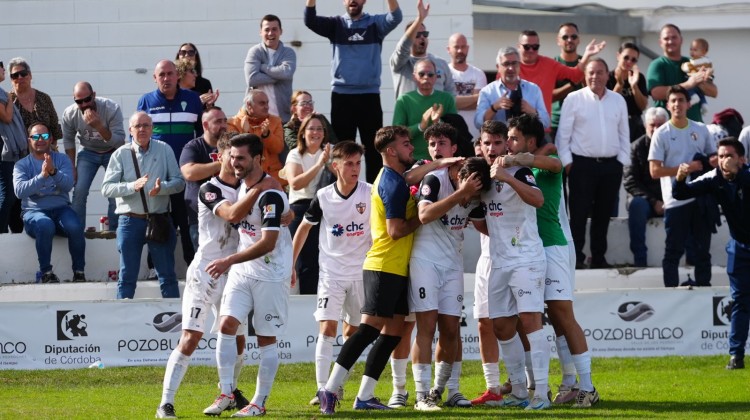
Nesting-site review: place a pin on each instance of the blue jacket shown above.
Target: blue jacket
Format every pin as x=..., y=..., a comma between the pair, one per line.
x=357, y=45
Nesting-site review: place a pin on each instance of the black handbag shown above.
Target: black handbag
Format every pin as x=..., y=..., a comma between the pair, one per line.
x=158, y=229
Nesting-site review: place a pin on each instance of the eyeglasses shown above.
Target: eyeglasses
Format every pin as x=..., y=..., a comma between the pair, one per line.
x=571, y=37
x=509, y=64
x=423, y=34
x=527, y=47
x=314, y=129
x=425, y=73
x=37, y=137
x=188, y=53
x=142, y=125
x=631, y=59
x=306, y=103
x=84, y=100
x=16, y=75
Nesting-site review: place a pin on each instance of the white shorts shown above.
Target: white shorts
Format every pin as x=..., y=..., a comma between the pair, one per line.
x=557, y=281
x=202, y=293
x=432, y=287
x=481, y=277
x=516, y=289
x=268, y=300
x=572, y=251
x=339, y=299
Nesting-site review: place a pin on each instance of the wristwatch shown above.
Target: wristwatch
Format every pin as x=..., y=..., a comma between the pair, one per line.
x=492, y=107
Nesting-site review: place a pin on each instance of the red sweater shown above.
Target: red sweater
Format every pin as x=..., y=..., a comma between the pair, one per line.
x=545, y=72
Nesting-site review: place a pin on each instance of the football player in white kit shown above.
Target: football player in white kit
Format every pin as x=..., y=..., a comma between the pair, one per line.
x=445, y=205
x=258, y=280
x=217, y=208
x=516, y=281
x=343, y=211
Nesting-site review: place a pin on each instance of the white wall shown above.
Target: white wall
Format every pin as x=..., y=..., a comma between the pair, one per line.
x=105, y=42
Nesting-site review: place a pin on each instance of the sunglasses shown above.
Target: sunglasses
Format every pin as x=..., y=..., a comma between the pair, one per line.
x=631, y=59
x=37, y=137
x=16, y=75
x=528, y=47
x=423, y=34
x=424, y=73
x=189, y=53
x=572, y=37
x=84, y=100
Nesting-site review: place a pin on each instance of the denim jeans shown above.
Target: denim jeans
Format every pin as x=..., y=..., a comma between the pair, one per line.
x=308, y=268
x=7, y=196
x=131, y=236
x=639, y=211
x=87, y=164
x=42, y=225
x=738, y=269
x=194, y=235
x=685, y=224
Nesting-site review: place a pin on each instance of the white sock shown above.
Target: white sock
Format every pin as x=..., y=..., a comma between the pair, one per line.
x=453, y=381
x=491, y=376
x=226, y=356
x=323, y=356
x=566, y=361
x=422, y=377
x=337, y=378
x=540, y=350
x=443, y=372
x=513, y=356
x=398, y=371
x=367, y=388
x=237, y=369
x=530, y=382
x=176, y=367
x=269, y=364
x=583, y=367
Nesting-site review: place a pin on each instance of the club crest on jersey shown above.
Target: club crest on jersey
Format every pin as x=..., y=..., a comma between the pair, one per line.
x=210, y=196
x=530, y=179
x=361, y=207
x=214, y=156
x=269, y=210
x=425, y=191
x=498, y=186
x=694, y=136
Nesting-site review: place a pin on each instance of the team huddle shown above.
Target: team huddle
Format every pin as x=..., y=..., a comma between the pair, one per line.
x=390, y=258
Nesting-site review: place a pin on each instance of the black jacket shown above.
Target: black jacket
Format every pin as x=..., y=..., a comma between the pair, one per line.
x=636, y=177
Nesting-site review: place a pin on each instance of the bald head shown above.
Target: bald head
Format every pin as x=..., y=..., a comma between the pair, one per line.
x=458, y=49
x=165, y=76
x=83, y=96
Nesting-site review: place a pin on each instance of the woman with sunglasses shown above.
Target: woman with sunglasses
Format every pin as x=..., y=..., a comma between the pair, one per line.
x=14, y=146
x=304, y=168
x=628, y=81
x=302, y=106
x=35, y=105
x=188, y=51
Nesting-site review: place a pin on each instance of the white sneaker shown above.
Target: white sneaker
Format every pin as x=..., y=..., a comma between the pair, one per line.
x=430, y=402
x=223, y=402
x=250, y=410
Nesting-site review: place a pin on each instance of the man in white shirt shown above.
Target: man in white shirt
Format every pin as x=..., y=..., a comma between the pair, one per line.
x=469, y=80
x=593, y=141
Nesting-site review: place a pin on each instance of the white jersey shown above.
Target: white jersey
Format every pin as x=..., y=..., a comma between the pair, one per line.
x=514, y=237
x=217, y=238
x=441, y=241
x=344, y=237
x=275, y=266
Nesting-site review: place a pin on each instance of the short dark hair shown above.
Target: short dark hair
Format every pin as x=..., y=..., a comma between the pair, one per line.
x=679, y=90
x=671, y=25
x=388, y=135
x=599, y=60
x=529, y=126
x=441, y=129
x=270, y=18
x=480, y=167
x=224, y=142
x=733, y=142
x=253, y=143
x=497, y=128
x=209, y=109
x=34, y=124
x=571, y=24
x=408, y=25
x=629, y=45
x=529, y=32
x=344, y=149
x=701, y=43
